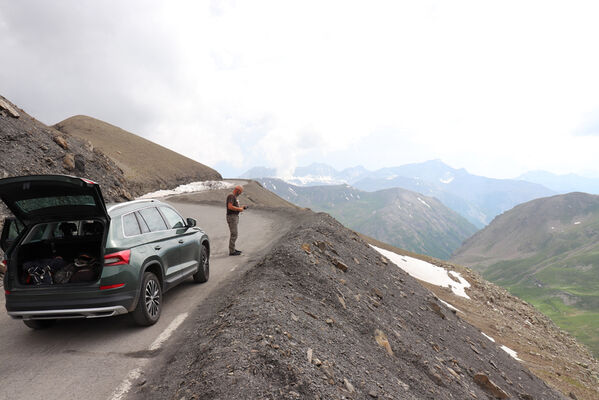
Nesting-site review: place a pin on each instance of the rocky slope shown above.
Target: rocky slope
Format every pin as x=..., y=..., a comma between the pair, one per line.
x=397, y=216
x=547, y=252
x=146, y=165
x=547, y=350
x=324, y=316
x=30, y=147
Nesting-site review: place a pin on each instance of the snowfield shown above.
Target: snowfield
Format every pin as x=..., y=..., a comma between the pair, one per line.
x=437, y=276
x=428, y=272
x=189, y=188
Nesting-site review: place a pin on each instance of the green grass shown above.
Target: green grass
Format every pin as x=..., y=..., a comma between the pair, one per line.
x=579, y=320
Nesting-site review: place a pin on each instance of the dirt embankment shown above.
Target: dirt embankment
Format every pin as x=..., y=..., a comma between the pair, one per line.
x=324, y=316
x=146, y=165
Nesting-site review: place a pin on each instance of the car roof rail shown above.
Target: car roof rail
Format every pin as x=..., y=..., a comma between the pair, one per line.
x=127, y=203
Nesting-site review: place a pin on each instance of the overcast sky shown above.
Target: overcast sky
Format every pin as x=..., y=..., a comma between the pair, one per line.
x=498, y=88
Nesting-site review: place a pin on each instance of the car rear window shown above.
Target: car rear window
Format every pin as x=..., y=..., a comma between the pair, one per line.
x=173, y=219
x=31, y=205
x=153, y=219
x=130, y=225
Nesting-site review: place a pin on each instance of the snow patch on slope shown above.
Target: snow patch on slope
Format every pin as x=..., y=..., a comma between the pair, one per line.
x=423, y=202
x=189, y=188
x=428, y=272
x=310, y=179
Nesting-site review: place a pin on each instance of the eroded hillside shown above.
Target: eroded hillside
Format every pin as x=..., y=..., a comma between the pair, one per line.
x=146, y=165
x=324, y=316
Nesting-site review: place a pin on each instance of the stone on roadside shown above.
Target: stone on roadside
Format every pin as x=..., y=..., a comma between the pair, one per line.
x=68, y=162
x=489, y=386
x=348, y=386
x=382, y=340
x=59, y=140
x=340, y=265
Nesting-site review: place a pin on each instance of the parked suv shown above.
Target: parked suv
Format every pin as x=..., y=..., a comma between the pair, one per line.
x=69, y=255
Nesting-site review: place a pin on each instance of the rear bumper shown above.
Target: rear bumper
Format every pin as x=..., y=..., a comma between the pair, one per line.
x=92, y=304
x=70, y=313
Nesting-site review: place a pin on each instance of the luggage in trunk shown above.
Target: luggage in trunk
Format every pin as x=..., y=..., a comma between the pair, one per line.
x=59, y=253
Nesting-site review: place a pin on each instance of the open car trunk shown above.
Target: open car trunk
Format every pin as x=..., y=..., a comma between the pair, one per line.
x=60, y=253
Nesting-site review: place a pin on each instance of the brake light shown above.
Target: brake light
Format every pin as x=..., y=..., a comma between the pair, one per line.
x=6, y=291
x=119, y=258
x=118, y=285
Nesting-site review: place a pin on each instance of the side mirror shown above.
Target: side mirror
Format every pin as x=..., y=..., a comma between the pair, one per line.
x=11, y=229
x=191, y=222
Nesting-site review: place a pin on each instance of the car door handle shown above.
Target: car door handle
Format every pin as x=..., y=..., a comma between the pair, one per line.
x=181, y=241
x=157, y=247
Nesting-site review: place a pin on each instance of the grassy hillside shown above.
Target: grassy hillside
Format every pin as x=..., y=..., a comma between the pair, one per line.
x=546, y=252
x=145, y=163
x=400, y=217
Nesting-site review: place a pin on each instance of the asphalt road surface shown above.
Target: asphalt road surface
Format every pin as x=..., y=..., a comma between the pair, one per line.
x=103, y=358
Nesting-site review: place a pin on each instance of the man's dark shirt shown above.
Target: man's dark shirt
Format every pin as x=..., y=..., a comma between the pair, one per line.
x=233, y=200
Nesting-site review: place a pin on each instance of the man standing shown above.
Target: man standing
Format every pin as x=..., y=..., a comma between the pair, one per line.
x=233, y=210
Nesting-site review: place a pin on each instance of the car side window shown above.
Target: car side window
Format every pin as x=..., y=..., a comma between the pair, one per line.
x=130, y=225
x=142, y=223
x=153, y=218
x=173, y=219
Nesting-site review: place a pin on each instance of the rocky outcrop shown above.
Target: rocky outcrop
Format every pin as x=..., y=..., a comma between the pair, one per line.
x=30, y=147
x=7, y=109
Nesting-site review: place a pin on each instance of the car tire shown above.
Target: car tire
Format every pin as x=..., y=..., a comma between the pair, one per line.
x=38, y=324
x=149, y=305
x=203, y=272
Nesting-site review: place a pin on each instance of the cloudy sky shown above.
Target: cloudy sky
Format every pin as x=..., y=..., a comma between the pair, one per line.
x=498, y=88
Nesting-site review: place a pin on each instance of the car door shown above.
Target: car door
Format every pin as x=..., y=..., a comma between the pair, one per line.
x=188, y=245
x=164, y=242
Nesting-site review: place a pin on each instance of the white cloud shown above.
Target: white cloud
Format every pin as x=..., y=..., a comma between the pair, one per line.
x=497, y=88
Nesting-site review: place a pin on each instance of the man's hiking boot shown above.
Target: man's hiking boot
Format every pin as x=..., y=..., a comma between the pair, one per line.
x=235, y=253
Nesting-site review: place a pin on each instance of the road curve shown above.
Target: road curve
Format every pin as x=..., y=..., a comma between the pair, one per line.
x=100, y=358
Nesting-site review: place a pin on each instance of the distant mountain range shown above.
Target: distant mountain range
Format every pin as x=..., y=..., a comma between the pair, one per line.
x=563, y=183
x=397, y=216
x=546, y=251
x=476, y=198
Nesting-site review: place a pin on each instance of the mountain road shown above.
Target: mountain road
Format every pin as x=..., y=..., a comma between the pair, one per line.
x=105, y=358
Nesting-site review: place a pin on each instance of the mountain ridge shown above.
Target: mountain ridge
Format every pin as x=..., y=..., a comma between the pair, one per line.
x=476, y=198
x=401, y=217
x=546, y=251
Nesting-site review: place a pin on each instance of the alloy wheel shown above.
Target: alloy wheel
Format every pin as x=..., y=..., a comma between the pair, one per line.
x=152, y=298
